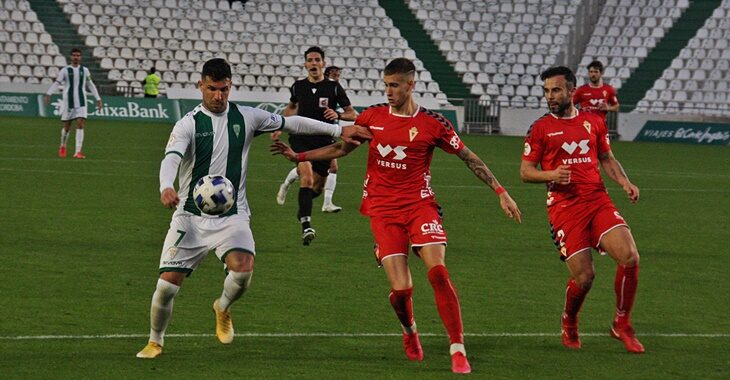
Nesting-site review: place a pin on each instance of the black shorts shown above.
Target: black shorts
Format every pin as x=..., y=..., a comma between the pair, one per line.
x=303, y=143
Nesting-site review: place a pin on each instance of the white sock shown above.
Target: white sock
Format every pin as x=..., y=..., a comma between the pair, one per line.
x=329, y=188
x=64, y=136
x=161, y=310
x=79, y=139
x=234, y=286
x=291, y=177
x=457, y=347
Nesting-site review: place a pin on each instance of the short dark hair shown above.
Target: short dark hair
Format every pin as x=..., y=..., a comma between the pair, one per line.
x=75, y=50
x=560, y=70
x=400, y=66
x=597, y=64
x=314, y=49
x=330, y=69
x=217, y=69
x=153, y=70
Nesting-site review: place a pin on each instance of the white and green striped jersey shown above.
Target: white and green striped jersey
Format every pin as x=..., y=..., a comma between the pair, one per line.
x=74, y=81
x=217, y=144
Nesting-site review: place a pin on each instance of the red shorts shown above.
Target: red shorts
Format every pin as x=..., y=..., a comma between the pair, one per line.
x=418, y=225
x=575, y=228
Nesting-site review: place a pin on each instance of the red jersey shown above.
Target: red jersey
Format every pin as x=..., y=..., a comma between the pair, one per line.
x=590, y=98
x=576, y=142
x=399, y=157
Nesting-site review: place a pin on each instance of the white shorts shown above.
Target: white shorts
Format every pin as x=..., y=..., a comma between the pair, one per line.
x=191, y=237
x=73, y=113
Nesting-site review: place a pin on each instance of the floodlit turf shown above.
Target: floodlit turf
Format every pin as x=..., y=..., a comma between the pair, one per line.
x=80, y=248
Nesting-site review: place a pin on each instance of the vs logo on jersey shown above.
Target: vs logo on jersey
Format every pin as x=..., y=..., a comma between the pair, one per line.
x=570, y=148
x=386, y=150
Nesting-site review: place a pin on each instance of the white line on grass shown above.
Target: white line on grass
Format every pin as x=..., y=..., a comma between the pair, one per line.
x=112, y=174
x=342, y=335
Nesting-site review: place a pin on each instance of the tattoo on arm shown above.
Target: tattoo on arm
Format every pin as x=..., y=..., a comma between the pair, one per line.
x=613, y=167
x=478, y=167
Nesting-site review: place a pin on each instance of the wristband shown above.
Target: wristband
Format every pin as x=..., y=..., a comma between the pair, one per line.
x=301, y=156
x=339, y=116
x=500, y=190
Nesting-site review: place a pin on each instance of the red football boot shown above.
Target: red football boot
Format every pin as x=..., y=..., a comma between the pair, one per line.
x=459, y=363
x=79, y=155
x=627, y=336
x=413, y=348
x=62, y=151
x=569, y=334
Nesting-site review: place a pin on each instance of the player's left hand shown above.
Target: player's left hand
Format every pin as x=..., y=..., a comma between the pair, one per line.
x=510, y=207
x=355, y=134
x=281, y=148
x=632, y=191
x=98, y=104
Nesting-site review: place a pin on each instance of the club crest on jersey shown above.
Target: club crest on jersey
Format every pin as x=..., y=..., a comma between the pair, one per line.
x=605, y=94
x=587, y=126
x=324, y=103
x=237, y=129
x=412, y=133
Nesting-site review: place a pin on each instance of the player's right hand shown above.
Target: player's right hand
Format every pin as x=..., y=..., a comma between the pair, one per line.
x=355, y=134
x=275, y=135
x=281, y=148
x=510, y=207
x=169, y=198
x=47, y=99
x=561, y=175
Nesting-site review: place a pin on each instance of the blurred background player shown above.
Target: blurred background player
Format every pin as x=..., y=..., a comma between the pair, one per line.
x=398, y=198
x=75, y=80
x=331, y=73
x=151, y=83
x=596, y=96
x=318, y=98
x=213, y=138
x=568, y=145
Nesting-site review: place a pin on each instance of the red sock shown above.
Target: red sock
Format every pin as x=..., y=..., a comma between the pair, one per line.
x=447, y=303
x=625, y=284
x=403, y=305
x=574, y=297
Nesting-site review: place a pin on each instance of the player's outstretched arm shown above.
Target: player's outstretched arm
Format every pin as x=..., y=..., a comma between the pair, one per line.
x=328, y=152
x=352, y=134
x=616, y=172
x=480, y=169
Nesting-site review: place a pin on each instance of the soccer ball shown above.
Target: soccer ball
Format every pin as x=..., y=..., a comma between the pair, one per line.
x=214, y=194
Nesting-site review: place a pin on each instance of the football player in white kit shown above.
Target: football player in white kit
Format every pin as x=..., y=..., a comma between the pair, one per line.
x=214, y=138
x=74, y=79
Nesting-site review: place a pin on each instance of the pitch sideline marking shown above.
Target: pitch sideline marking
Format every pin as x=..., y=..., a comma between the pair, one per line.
x=107, y=174
x=345, y=335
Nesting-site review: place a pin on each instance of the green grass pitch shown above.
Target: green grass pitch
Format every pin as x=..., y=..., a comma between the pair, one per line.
x=81, y=239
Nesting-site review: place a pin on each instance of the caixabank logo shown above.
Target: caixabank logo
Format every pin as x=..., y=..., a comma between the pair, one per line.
x=119, y=108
